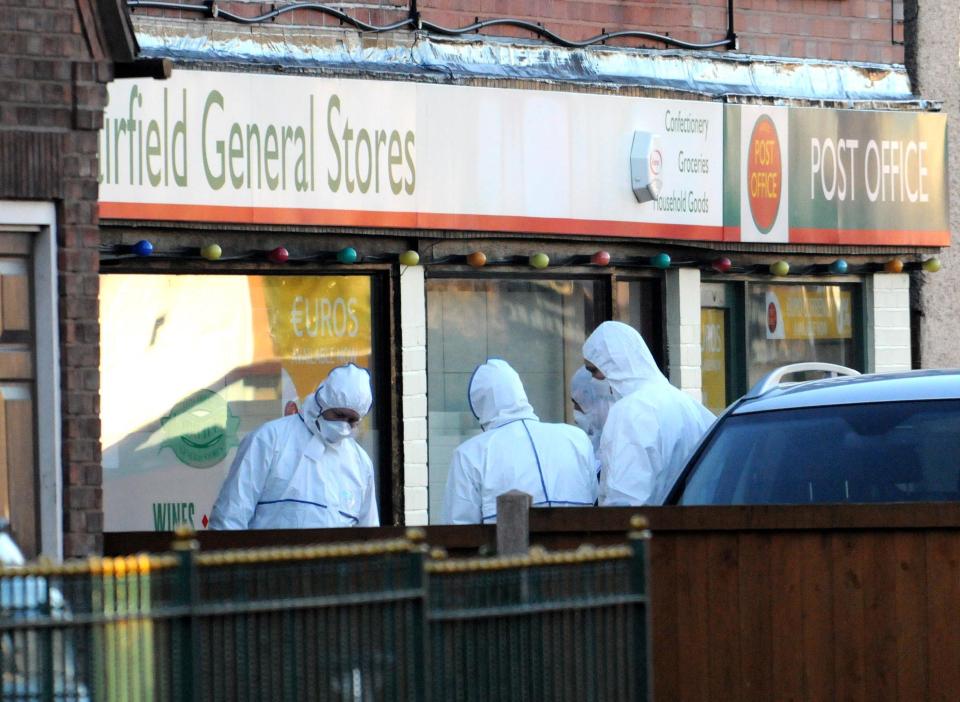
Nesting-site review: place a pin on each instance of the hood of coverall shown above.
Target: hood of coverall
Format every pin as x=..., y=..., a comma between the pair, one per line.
x=621, y=354
x=594, y=399
x=497, y=396
x=344, y=387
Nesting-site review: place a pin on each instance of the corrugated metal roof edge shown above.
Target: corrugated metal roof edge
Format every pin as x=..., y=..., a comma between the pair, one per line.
x=404, y=55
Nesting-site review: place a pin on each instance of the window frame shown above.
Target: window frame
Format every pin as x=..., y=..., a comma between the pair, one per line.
x=739, y=286
x=40, y=219
x=385, y=351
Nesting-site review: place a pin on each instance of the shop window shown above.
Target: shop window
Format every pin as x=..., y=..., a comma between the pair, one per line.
x=192, y=363
x=639, y=303
x=538, y=326
x=802, y=322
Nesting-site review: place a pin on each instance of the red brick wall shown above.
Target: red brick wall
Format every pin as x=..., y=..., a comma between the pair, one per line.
x=51, y=98
x=858, y=30
x=855, y=30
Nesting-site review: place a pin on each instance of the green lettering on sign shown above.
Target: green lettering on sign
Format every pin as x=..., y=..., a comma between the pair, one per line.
x=169, y=515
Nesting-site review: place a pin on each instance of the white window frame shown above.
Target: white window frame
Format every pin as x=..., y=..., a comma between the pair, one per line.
x=41, y=219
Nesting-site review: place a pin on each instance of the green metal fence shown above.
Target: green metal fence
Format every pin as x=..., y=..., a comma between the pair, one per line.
x=566, y=626
x=368, y=621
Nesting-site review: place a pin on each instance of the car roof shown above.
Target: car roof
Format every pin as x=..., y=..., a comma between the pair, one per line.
x=857, y=389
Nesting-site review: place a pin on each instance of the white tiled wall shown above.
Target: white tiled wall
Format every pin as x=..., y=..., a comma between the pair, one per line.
x=413, y=355
x=888, y=322
x=683, y=329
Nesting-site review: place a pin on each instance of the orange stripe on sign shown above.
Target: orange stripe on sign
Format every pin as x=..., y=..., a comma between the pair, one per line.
x=731, y=233
x=256, y=215
x=868, y=237
x=407, y=220
x=561, y=225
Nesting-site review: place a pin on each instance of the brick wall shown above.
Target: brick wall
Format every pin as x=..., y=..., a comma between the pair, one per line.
x=855, y=30
x=858, y=30
x=51, y=99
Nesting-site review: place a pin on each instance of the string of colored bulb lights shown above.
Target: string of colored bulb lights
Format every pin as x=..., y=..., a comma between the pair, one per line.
x=348, y=255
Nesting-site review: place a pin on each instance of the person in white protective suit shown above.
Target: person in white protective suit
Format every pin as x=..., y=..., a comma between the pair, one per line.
x=591, y=404
x=551, y=462
x=652, y=428
x=305, y=470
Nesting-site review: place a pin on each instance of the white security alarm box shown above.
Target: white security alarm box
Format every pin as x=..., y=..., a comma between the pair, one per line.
x=646, y=166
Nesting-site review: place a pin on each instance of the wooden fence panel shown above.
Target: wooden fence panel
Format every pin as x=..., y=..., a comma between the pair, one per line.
x=786, y=626
x=943, y=615
x=693, y=597
x=848, y=617
x=880, y=618
x=816, y=569
x=909, y=550
x=757, y=599
x=722, y=610
x=664, y=619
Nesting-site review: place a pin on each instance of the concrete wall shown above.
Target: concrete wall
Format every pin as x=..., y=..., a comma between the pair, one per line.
x=933, y=39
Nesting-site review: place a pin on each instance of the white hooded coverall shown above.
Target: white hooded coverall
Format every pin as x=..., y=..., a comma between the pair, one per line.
x=552, y=462
x=651, y=430
x=286, y=475
x=594, y=399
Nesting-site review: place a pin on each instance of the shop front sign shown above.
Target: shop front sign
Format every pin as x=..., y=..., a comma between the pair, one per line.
x=819, y=176
x=254, y=148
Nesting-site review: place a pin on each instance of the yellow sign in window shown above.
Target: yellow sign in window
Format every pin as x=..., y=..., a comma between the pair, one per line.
x=713, y=348
x=808, y=312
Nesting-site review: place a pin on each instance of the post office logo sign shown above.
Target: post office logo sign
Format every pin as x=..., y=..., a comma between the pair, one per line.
x=764, y=192
x=764, y=174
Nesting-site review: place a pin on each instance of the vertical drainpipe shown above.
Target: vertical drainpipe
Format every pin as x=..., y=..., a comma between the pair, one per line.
x=414, y=14
x=733, y=43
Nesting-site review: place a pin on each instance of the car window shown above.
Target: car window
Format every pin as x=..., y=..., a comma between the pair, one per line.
x=882, y=452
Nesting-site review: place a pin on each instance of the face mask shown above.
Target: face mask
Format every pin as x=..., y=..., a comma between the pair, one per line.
x=581, y=420
x=333, y=432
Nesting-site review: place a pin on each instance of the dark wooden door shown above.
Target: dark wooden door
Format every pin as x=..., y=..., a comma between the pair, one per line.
x=18, y=469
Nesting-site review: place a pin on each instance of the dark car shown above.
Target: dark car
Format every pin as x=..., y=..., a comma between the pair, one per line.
x=891, y=437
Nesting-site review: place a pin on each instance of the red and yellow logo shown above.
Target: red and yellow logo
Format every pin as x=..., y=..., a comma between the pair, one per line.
x=772, y=320
x=764, y=174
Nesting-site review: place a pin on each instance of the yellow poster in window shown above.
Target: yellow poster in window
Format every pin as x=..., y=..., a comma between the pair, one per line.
x=809, y=312
x=312, y=324
x=713, y=350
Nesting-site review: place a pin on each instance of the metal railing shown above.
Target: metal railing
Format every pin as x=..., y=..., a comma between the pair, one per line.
x=367, y=621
